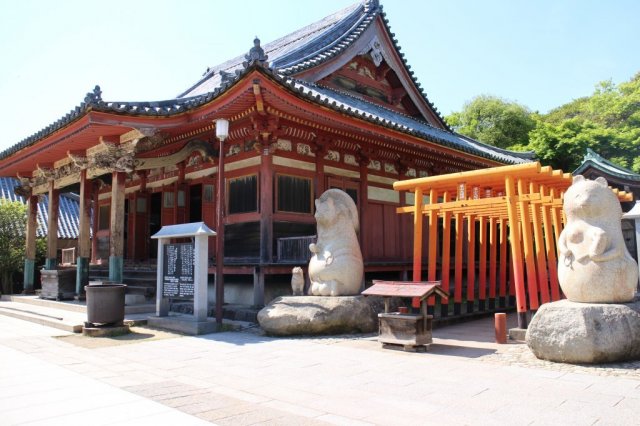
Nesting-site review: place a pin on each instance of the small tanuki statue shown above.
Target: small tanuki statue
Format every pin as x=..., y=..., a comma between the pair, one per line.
x=336, y=267
x=594, y=264
x=297, y=281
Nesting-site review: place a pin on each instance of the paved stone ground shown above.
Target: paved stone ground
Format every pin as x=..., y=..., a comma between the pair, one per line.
x=244, y=378
x=521, y=356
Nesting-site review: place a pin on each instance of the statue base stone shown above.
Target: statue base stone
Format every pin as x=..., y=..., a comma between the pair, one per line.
x=586, y=333
x=317, y=315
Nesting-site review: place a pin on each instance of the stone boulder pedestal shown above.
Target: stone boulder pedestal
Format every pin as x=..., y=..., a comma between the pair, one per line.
x=586, y=333
x=317, y=315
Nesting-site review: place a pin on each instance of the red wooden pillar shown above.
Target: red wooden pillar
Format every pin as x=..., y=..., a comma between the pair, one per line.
x=482, y=264
x=180, y=212
x=446, y=256
x=516, y=251
x=131, y=226
x=52, y=232
x=319, y=180
x=363, y=207
x=433, y=244
x=94, y=222
x=493, y=262
x=550, y=248
x=417, y=235
x=266, y=223
x=209, y=210
x=541, y=262
x=504, y=263
x=30, y=249
x=457, y=292
x=141, y=218
x=528, y=252
x=168, y=205
x=116, y=235
x=471, y=262
x=84, y=241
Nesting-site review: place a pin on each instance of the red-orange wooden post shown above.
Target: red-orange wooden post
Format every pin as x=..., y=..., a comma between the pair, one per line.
x=550, y=248
x=541, y=263
x=556, y=215
x=471, y=261
x=446, y=256
x=457, y=291
x=417, y=235
x=493, y=261
x=433, y=237
x=417, y=242
x=433, y=244
x=527, y=242
x=503, y=262
x=516, y=251
x=482, y=264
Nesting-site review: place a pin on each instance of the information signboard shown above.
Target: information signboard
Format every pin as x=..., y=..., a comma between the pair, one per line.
x=178, y=268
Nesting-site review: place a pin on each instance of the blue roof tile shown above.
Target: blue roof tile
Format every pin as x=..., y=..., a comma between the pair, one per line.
x=68, y=213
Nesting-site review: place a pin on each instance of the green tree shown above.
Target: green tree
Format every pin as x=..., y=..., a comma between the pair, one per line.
x=608, y=122
x=494, y=121
x=13, y=219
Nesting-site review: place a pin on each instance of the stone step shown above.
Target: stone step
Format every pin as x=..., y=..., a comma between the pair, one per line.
x=72, y=306
x=70, y=321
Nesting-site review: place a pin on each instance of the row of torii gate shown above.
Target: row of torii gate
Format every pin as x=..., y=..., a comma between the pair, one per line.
x=510, y=212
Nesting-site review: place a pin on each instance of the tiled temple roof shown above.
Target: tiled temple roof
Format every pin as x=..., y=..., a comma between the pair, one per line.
x=289, y=55
x=347, y=103
x=93, y=102
x=68, y=214
x=286, y=51
x=593, y=159
x=312, y=45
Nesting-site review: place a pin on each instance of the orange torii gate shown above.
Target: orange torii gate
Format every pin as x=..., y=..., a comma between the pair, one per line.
x=522, y=201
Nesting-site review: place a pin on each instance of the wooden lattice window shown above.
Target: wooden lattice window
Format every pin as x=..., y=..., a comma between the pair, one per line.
x=242, y=194
x=103, y=219
x=294, y=194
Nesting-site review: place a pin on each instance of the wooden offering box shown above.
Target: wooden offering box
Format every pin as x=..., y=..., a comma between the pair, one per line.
x=409, y=330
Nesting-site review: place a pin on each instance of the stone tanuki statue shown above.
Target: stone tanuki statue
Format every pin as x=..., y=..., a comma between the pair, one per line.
x=297, y=281
x=594, y=265
x=336, y=266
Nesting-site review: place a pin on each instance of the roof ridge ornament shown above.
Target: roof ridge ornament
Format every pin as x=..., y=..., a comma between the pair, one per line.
x=93, y=97
x=371, y=5
x=592, y=154
x=256, y=55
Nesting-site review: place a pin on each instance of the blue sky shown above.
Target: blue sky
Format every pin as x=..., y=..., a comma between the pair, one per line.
x=541, y=54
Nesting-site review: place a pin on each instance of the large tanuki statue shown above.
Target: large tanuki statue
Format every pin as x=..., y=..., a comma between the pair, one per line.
x=336, y=266
x=594, y=264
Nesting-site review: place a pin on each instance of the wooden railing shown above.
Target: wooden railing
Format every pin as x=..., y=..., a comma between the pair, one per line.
x=69, y=256
x=292, y=249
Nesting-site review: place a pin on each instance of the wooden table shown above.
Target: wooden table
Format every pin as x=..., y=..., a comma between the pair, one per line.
x=412, y=331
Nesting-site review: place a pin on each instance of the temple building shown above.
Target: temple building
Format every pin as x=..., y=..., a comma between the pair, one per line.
x=332, y=105
x=594, y=166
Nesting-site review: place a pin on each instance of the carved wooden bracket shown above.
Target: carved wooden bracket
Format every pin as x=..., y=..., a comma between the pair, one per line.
x=79, y=159
x=321, y=145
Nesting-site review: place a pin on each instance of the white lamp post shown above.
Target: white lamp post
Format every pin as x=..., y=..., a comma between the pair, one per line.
x=222, y=132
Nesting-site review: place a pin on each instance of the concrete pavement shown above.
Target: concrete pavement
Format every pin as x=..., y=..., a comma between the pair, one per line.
x=242, y=378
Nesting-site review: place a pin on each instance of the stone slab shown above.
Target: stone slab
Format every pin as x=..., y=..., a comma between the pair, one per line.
x=111, y=331
x=518, y=334
x=186, y=324
x=317, y=315
x=134, y=299
x=573, y=332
